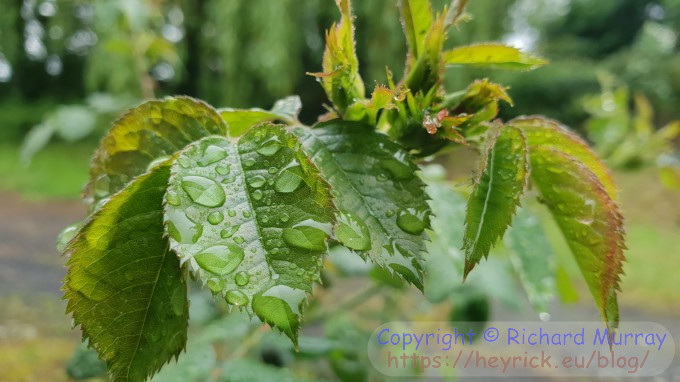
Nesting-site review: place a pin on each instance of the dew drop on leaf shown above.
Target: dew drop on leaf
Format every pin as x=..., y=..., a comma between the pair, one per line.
x=389, y=213
x=223, y=169
x=220, y=259
x=66, y=235
x=270, y=147
x=246, y=214
x=242, y=278
x=215, y=218
x=203, y=191
x=229, y=231
x=231, y=213
x=257, y=181
x=239, y=240
x=258, y=194
x=289, y=179
x=412, y=221
x=172, y=198
x=102, y=186
x=249, y=162
x=398, y=165
x=236, y=297
x=156, y=161
x=212, y=155
x=198, y=234
x=309, y=235
x=216, y=285
x=284, y=217
x=353, y=232
x=174, y=232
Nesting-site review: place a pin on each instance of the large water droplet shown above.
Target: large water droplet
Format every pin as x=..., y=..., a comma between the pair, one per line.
x=413, y=221
x=156, y=162
x=399, y=165
x=278, y=294
x=257, y=181
x=231, y=213
x=66, y=235
x=212, y=154
x=172, y=198
x=216, y=285
x=215, y=218
x=174, y=232
x=239, y=240
x=249, y=162
x=184, y=161
x=289, y=178
x=102, y=186
x=203, y=191
x=223, y=169
x=229, y=231
x=242, y=278
x=220, y=259
x=309, y=235
x=353, y=232
x=236, y=297
x=270, y=147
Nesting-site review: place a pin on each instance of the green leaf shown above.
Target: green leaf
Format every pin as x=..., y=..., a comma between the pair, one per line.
x=152, y=131
x=251, y=221
x=367, y=110
x=495, y=56
x=124, y=286
x=588, y=218
x=547, y=133
x=416, y=19
x=532, y=258
x=496, y=195
x=426, y=71
x=340, y=78
x=382, y=203
x=285, y=110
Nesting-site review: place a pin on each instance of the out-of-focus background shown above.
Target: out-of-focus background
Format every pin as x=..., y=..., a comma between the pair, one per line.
x=69, y=67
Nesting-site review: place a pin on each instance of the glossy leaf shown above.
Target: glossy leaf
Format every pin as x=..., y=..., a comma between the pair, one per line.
x=532, y=258
x=495, y=56
x=589, y=220
x=251, y=221
x=496, y=195
x=382, y=203
x=285, y=110
x=151, y=131
x=425, y=72
x=547, y=133
x=340, y=77
x=124, y=286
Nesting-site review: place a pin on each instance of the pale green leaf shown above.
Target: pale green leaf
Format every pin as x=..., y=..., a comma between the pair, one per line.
x=285, y=110
x=588, y=218
x=496, y=195
x=382, y=203
x=251, y=221
x=124, y=286
x=152, y=131
x=416, y=19
x=495, y=56
x=547, y=133
x=532, y=258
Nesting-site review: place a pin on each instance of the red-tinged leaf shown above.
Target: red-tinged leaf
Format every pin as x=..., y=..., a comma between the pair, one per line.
x=589, y=220
x=543, y=132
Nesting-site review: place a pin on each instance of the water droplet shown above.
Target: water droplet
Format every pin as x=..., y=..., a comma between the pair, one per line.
x=272, y=170
x=352, y=232
x=258, y=194
x=399, y=165
x=239, y=240
x=184, y=161
x=215, y=218
x=284, y=217
x=223, y=169
x=178, y=301
x=292, y=298
x=275, y=276
x=242, y=278
x=413, y=221
x=270, y=147
x=246, y=214
x=389, y=213
x=257, y=181
x=236, y=297
x=289, y=178
x=174, y=232
x=172, y=198
x=231, y=213
x=212, y=154
x=66, y=235
x=198, y=234
x=215, y=285
x=544, y=316
x=203, y=191
x=102, y=186
x=229, y=231
x=249, y=162
x=220, y=259
x=382, y=177
x=156, y=162
x=264, y=220
x=309, y=235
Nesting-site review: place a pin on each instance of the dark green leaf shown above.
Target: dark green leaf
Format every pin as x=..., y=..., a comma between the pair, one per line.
x=496, y=195
x=124, y=286
x=152, y=131
x=251, y=221
x=382, y=203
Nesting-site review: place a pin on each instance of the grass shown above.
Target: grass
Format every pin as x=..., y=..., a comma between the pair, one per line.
x=59, y=171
